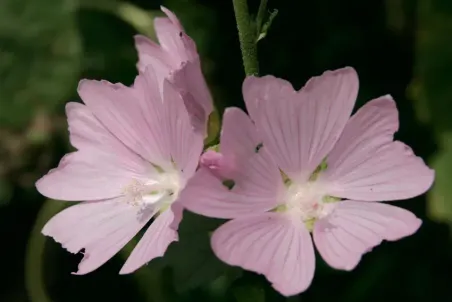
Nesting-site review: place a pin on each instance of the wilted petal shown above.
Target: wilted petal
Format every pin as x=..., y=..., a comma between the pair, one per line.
x=269, y=244
x=366, y=164
x=355, y=227
x=177, y=59
x=153, y=244
x=174, y=40
x=299, y=129
x=100, y=228
x=190, y=81
x=150, y=53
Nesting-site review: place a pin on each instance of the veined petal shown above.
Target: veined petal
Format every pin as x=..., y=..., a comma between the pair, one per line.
x=269, y=244
x=153, y=244
x=86, y=175
x=87, y=134
x=100, y=228
x=366, y=164
x=258, y=89
x=126, y=113
x=259, y=177
x=257, y=188
x=184, y=142
x=206, y=195
x=300, y=129
x=355, y=227
x=239, y=138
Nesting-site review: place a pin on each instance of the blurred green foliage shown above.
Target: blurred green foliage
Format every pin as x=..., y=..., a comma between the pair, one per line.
x=39, y=58
x=432, y=91
x=401, y=47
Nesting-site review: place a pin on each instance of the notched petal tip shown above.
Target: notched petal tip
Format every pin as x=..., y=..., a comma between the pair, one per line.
x=348, y=76
x=253, y=82
x=88, y=87
x=346, y=71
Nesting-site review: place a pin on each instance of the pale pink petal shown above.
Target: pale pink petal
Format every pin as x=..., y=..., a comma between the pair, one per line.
x=259, y=177
x=174, y=40
x=100, y=228
x=239, y=138
x=185, y=144
x=300, y=129
x=153, y=244
x=189, y=80
x=257, y=89
x=87, y=176
x=367, y=165
x=256, y=190
x=172, y=17
x=87, y=134
x=269, y=244
x=150, y=53
x=355, y=227
x=177, y=59
x=129, y=114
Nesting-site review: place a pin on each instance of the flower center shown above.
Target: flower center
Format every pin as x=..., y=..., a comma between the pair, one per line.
x=157, y=193
x=307, y=202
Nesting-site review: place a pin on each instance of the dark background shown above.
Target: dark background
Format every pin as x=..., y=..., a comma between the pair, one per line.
x=398, y=47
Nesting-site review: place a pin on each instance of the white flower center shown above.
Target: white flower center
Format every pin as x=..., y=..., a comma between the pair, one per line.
x=307, y=202
x=159, y=192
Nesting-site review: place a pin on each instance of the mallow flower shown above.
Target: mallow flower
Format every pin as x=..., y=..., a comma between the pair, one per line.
x=135, y=152
x=299, y=167
x=176, y=58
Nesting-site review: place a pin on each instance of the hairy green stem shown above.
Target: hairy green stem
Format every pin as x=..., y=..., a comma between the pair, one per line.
x=247, y=37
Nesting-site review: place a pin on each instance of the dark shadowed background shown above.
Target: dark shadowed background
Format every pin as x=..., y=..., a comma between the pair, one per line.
x=398, y=47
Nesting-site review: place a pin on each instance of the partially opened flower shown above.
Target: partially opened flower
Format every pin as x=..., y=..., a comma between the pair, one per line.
x=136, y=152
x=177, y=59
x=302, y=166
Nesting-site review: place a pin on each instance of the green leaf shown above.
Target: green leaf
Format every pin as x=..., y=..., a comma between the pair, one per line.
x=191, y=259
x=266, y=26
x=39, y=58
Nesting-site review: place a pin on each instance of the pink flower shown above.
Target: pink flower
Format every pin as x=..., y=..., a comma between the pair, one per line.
x=177, y=59
x=136, y=152
x=317, y=170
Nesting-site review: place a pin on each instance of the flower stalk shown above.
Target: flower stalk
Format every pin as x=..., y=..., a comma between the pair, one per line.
x=247, y=37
